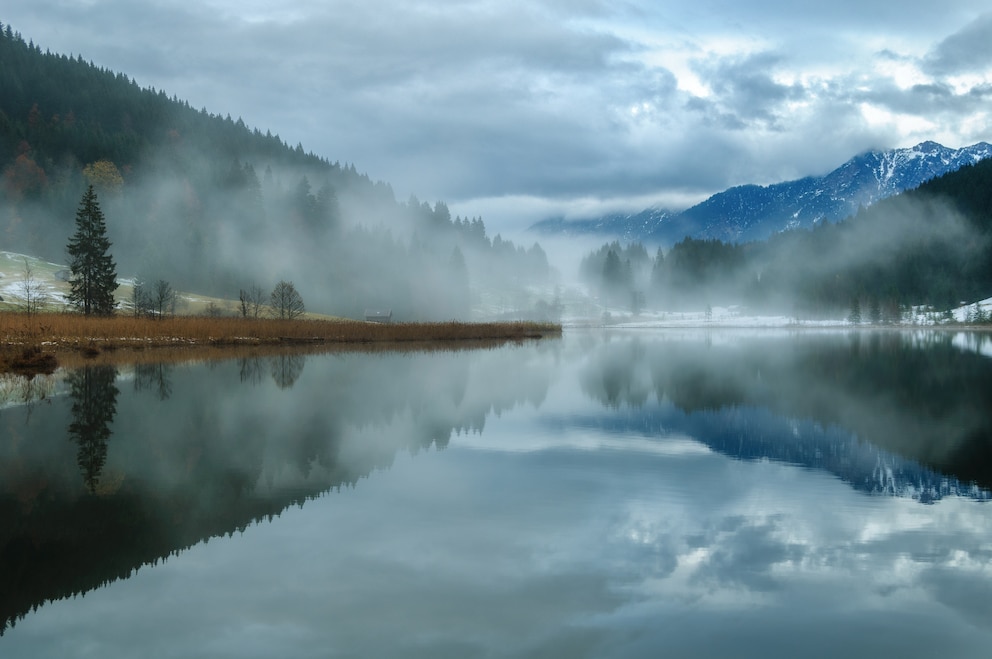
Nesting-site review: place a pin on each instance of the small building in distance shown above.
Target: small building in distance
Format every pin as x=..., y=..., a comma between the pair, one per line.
x=379, y=316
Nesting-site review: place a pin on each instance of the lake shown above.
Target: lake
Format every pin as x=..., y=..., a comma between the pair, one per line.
x=614, y=493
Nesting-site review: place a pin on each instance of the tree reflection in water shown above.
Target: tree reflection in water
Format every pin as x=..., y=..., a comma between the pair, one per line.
x=154, y=377
x=197, y=456
x=286, y=369
x=94, y=404
x=251, y=369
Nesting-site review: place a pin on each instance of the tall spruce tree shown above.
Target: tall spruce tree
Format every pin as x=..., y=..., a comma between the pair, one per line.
x=94, y=274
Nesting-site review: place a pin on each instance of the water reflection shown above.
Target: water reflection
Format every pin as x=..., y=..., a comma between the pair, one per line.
x=94, y=403
x=916, y=395
x=200, y=451
x=618, y=494
x=286, y=369
x=156, y=377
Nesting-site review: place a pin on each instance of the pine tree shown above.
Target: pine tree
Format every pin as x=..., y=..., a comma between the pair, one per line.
x=855, y=316
x=94, y=274
x=875, y=312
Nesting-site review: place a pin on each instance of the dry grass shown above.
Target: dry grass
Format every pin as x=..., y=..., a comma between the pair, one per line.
x=90, y=336
x=28, y=361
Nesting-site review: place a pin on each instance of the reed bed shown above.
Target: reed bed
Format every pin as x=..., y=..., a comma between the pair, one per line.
x=22, y=335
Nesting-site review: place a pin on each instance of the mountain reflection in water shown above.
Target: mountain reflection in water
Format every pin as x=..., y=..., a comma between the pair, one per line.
x=106, y=469
x=888, y=412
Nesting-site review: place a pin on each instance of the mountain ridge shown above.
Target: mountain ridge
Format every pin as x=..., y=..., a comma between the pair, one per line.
x=754, y=212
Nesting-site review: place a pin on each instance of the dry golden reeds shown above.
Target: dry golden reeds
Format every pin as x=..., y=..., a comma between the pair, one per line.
x=67, y=331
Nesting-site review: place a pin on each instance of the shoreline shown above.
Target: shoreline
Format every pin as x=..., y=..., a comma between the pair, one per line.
x=797, y=327
x=40, y=343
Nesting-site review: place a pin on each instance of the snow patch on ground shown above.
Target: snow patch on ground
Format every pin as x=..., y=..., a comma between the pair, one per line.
x=732, y=316
x=13, y=292
x=975, y=313
x=43, y=281
x=737, y=316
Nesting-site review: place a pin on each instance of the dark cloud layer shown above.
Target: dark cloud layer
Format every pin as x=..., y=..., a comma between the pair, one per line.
x=966, y=51
x=556, y=104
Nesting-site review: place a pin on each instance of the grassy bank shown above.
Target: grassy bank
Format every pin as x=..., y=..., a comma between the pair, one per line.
x=27, y=342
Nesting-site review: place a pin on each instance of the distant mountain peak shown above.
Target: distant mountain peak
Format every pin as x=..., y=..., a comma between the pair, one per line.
x=929, y=146
x=754, y=212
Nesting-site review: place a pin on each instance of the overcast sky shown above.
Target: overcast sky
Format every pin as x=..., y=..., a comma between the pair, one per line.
x=516, y=110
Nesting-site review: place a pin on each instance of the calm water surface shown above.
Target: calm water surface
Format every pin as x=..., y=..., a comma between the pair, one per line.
x=611, y=494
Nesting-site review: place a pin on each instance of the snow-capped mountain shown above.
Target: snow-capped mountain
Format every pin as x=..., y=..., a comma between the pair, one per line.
x=754, y=212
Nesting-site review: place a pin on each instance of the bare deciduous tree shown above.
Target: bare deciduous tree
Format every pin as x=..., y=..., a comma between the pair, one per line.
x=141, y=301
x=252, y=301
x=285, y=301
x=32, y=291
x=163, y=298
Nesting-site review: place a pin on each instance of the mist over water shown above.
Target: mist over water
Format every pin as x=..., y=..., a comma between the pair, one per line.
x=613, y=493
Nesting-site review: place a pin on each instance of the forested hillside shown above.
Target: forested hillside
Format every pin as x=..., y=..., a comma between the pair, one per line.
x=214, y=206
x=929, y=246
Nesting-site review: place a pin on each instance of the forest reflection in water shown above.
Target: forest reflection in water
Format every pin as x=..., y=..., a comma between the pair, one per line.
x=165, y=456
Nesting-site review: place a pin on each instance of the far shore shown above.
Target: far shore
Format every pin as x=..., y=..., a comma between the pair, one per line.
x=792, y=326
x=39, y=343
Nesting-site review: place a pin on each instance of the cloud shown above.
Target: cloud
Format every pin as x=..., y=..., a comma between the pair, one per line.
x=560, y=102
x=966, y=51
x=746, y=92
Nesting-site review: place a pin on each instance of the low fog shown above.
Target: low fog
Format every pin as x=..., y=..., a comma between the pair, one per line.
x=914, y=250
x=216, y=225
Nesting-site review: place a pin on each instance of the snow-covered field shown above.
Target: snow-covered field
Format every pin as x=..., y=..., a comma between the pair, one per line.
x=738, y=317
x=716, y=317
x=968, y=312
x=48, y=283
x=43, y=281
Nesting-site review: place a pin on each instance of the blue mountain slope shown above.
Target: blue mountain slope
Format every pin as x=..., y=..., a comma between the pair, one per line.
x=753, y=212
